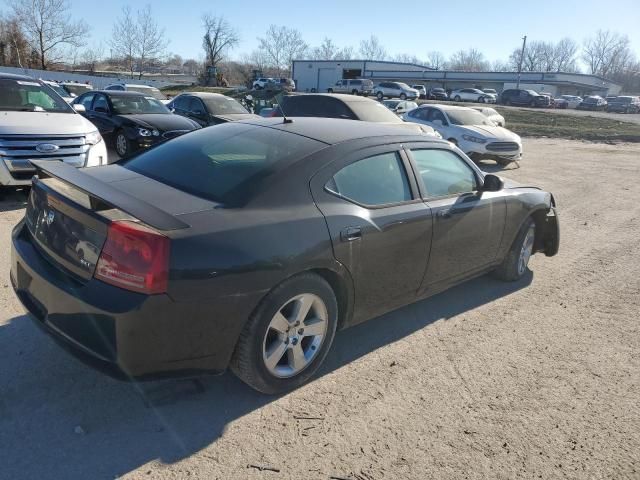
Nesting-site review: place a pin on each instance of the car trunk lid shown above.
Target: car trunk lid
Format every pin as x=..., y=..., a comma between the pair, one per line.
x=69, y=211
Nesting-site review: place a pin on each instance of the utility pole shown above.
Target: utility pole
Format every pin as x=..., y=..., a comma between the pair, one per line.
x=524, y=44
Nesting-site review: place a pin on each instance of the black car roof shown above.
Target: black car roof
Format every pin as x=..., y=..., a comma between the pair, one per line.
x=204, y=95
x=338, y=96
x=121, y=93
x=11, y=76
x=334, y=130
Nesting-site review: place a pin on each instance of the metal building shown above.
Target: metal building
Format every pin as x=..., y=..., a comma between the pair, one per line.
x=318, y=75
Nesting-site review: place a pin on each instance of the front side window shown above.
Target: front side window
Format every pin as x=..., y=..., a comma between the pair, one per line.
x=373, y=181
x=101, y=103
x=444, y=173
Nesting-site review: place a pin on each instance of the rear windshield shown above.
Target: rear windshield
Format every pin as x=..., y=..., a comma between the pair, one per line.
x=225, y=164
x=30, y=96
x=77, y=89
x=223, y=105
x=374, y=112
x=151, y=91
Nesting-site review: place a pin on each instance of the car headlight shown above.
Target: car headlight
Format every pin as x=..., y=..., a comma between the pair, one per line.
x=93, y=138
x=146, y=132
x=470, y=138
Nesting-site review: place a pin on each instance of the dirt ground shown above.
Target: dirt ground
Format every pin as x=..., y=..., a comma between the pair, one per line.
x=536, y=379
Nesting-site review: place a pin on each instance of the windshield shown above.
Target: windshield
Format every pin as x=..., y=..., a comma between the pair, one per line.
x=30, y=96
x=489, y=90
x=391, y=103
x=468, y=117
x=374, y=112
x=223, y=105
x=151, y=91
x=136, y=104
x=225, y=164
x=58, y=89
x=439, y=90
x=77, y=88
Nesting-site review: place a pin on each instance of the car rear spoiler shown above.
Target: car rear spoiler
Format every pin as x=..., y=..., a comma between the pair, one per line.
x=103, y=193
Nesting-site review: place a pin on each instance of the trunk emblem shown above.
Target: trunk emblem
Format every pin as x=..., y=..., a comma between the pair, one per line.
x=50, y=217
x=47, y=148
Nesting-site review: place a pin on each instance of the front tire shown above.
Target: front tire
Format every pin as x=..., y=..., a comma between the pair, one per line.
x=456, y=98
x=329, y=90
x=515, y=264
x=403, y=96
x=123, y=145
x=380, y=96
x=288, y=336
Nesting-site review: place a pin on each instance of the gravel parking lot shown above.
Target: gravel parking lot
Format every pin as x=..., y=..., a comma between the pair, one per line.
x=537, y=379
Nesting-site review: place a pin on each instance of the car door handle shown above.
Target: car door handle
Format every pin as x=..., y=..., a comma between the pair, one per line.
x=444, y=213
x=350, y=234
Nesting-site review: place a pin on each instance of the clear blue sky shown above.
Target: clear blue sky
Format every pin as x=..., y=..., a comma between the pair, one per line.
x=494, y=27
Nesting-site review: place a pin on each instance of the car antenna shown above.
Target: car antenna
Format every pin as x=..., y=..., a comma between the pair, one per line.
x=285, y=119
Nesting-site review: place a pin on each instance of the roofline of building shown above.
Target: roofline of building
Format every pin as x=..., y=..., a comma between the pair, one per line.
x=430, y=69
x=372, y=61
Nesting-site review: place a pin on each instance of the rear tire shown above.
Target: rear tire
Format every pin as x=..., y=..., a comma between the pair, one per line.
x=273, y=354
x=329, y=90
x=354, y=92
x=456, y=98
x=403, y=96
x=515, y=264
x=380, y=96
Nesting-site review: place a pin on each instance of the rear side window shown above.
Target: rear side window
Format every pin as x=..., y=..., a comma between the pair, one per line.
x=181, y=102
x=225, y=164
x=444, y=173
x=312, y=106
x=373, y=181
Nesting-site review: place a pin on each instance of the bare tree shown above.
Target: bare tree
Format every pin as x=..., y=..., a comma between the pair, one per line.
x=407, y=58
x=150, y=42
x=219, y=37
x=606, y=52
x=328, y=50
x=566, y=50
x=280, y=46
x=124, y=37
x=371, y=49
x=436, y=59
x=91, y=57
x=191, y=66
x=500, y=66
x=47, y=27
x=14, y=47
x=470, y=60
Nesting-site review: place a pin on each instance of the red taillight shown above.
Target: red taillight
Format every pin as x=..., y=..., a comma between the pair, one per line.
x=134, y=257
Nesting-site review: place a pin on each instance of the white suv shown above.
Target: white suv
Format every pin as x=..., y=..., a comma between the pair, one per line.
x=395, y=90
x=37, y=124
x=262, y=82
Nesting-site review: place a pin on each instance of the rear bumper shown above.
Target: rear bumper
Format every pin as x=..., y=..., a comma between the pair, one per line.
x=124, y=334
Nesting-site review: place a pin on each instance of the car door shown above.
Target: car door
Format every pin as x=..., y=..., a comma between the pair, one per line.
x=380, y=228
x=468, y=222
x=198, y=112
x=101, y=116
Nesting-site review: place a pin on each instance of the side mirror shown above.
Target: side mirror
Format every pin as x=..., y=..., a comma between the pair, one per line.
x=492, y=183
x=78, y=107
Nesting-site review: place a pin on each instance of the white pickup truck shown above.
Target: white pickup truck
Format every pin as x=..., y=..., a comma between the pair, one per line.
x=37, y=124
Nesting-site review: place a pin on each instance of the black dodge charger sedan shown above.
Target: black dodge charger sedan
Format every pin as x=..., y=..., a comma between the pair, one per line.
x=131, y=121
x=249, y=244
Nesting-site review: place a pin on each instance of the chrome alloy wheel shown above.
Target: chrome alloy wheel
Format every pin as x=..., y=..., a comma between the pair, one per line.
x=527, y=249
x=294, y=336
x=121, y=144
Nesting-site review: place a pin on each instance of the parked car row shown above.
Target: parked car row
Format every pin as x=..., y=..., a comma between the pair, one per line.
x=268, y=83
